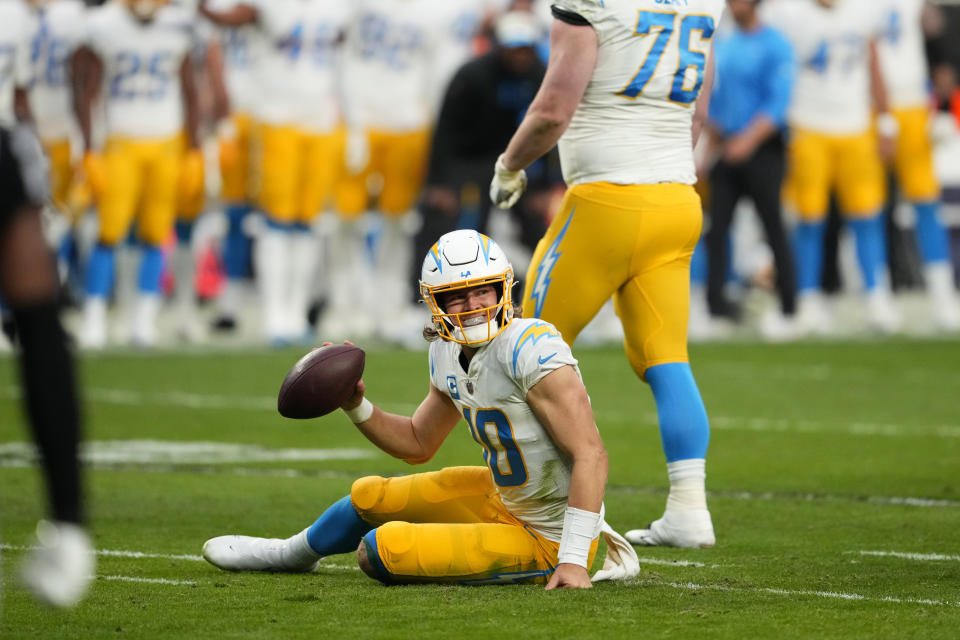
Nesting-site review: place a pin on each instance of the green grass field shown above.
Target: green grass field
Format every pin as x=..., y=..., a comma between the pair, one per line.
x=834, y=477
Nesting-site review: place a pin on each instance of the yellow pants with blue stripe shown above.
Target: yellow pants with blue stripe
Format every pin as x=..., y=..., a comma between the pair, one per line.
x=61, y=172
x=143, y=182
x=449, y=526
x=236, y=179
x=819, y=164
x=629, y=242
x=913, y=160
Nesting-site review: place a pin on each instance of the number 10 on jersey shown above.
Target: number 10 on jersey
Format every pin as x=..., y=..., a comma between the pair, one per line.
x=662, y=24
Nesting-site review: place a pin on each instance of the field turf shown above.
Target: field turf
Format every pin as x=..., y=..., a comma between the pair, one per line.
x=834, y=478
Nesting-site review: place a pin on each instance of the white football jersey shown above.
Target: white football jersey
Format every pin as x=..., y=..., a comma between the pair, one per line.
x=633, y=124
x=461, y=22
x=15, y=43
x=389, y=64
x=832, y=90
x=902, y=54
x=243, y=49
x=298, y=72
x=58, y=29
x=531, y=473
x=141, y=84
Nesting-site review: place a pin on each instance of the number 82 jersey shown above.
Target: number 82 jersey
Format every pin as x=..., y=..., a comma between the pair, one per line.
x=633, y=124
x=531, y=473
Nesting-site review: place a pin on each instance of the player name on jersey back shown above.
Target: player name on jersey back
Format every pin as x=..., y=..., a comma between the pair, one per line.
x=633, y=124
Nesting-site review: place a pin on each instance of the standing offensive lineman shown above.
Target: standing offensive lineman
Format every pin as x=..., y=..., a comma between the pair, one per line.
x=622, y=88
x=533, y=513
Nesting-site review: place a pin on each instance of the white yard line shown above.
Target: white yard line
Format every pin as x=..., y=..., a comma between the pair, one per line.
x=676, y=563
x=176, y=398
x=904, y=555
x=187, y=583
x=834, y=595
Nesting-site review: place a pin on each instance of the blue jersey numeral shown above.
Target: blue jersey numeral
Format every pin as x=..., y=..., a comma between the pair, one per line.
x=500, y=453
x=48, y=55
x=663, y=24
x=133, y=79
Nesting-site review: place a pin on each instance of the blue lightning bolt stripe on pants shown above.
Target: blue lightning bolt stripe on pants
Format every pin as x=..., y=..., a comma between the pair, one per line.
x=632, y=243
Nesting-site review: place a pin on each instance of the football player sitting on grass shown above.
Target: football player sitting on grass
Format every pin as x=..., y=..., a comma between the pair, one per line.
x=533, y=513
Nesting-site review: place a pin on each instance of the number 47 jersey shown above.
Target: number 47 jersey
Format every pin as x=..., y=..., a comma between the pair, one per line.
x=633, y=125
x=532, y=475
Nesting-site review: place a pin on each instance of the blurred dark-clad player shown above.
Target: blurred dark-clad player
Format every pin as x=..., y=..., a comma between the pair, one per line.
x=59, y=570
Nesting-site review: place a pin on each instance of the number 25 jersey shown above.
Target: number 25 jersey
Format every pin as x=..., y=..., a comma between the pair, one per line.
x=633, y=124
x=531, y=473
x=141, y=62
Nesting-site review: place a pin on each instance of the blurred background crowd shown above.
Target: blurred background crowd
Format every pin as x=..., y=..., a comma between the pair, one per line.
x=273, y=171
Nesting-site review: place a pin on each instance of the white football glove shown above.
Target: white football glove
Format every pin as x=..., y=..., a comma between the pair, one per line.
x=507, y=186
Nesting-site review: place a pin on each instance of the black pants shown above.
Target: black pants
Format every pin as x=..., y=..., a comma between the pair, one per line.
x=760, y=179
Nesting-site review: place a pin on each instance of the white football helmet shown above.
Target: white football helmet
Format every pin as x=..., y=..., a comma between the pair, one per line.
x=145, y=10
x=460, y=260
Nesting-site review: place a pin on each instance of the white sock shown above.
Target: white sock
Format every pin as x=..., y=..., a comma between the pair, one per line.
x=146, y=307
x=687, y=484
x=394, y=255
x=272, y=259
x=304, y=258
x=297, y=552
x=183, y=272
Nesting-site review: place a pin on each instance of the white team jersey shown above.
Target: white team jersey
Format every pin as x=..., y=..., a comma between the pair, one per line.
x=633, y=124
x=298, y=72
x=141, y=82
x=902, y=56
x=14, y=55
x=243, y=48
x=532, y=475
x=389, y=64
x=58, y=28
x=832, y=90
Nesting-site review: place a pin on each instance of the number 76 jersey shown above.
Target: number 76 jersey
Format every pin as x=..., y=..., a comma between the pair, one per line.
x=531, y=473
x=633, y=124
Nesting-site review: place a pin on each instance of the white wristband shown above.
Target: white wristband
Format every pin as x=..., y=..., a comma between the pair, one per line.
x=580, y=529
x=887, y=125
x=360, y=413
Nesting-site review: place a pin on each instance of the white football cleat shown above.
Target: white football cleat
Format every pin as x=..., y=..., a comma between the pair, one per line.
x=59, y=570
x=246, y=553
x=689, y=529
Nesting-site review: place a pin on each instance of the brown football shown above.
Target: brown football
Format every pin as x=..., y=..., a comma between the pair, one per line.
x=321, y=381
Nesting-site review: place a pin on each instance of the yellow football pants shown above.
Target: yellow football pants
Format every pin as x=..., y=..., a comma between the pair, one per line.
x=450, y=526
x=298, y=172
x=633, y=243
x=913, y=161
x=143, y=180
x=818, y=164
x=401, y=161
x=61, y=172
x=235, y=159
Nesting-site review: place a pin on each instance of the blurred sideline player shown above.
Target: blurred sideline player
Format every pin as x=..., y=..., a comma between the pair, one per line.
x=904, y=64
x=832, y=146
x=533, y=514
x=301, y=147
x=630, y=220
x=388, y=72
x=213, y=106
x=57, y=31
x=140, y=50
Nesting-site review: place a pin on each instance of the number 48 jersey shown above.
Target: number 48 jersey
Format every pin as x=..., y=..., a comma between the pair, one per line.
x=633, y=124
x=531, y=473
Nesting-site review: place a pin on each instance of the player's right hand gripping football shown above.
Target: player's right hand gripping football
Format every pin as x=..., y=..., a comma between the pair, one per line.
x=354, y=400
x=507, y=186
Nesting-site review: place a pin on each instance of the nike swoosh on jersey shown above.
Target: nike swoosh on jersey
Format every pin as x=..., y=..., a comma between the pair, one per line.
x=542, y=360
